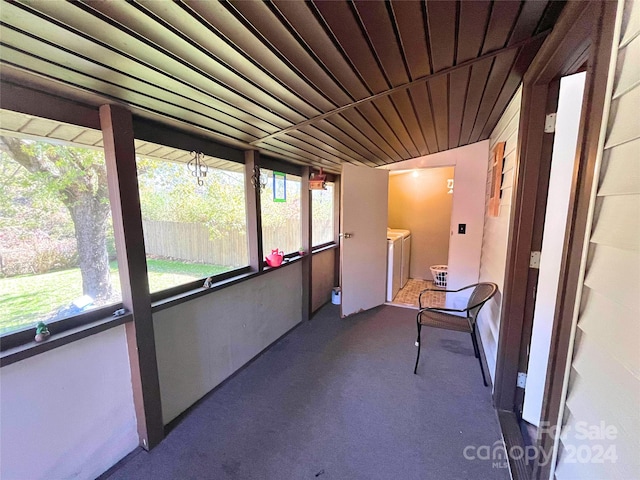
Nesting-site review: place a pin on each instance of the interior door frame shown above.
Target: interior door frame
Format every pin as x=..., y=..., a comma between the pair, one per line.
x=582, y=35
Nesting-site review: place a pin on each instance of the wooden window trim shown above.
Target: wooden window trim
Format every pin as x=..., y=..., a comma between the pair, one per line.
x=497, y=165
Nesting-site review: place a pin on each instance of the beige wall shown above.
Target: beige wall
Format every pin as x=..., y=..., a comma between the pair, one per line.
x=202, y=342
x=421, y=204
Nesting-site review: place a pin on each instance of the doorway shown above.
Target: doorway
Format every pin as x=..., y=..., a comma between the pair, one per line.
x=567, y=123
x=419, y=220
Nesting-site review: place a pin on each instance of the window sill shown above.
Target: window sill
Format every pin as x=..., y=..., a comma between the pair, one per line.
x=21, y=352
x=174, y=300
x=30, y=349
x=323, y=248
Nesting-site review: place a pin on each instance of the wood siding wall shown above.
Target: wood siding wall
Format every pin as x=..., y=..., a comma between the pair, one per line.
x=496, y=229
x=604, y=382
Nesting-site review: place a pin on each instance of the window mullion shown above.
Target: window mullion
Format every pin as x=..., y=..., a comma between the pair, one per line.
x=119, y=150
x=254, y=218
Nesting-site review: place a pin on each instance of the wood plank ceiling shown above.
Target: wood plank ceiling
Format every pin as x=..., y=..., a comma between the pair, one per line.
x=320, y=83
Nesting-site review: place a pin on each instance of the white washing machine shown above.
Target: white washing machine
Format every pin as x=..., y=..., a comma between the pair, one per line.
x=406, y=252
x=394, y=265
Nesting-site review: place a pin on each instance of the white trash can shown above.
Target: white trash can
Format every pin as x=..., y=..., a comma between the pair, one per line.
x=336, y=295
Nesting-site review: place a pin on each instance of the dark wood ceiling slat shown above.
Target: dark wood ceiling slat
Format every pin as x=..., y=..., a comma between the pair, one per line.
x=411, y=28
x=138, y=20
x=328, y=93
x=379, y=118
x=296, y=92
x=327, y=146
x=474, y=15
x=528, y=20
x=477, y=81
x=147, y=55
x=314, y=154
x=122, y=82
x=115, y=92
x=501, y=67
x=313, y=145
x=309, y=81
x=320, y=132
x=301, y=18
x=359, y=120
x=458, y=83
x=420, y=98
x=287, y=151
x=501, y=24
x=526, y=25
x=407, y=113
x=439, y=90
x=56, y=35
x=349, y=134
x=523, y=60
x=345, y=28
x=379, y=29
x=441, y=20
x=393, y=119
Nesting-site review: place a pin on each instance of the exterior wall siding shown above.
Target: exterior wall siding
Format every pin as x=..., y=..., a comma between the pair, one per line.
x=496, y=229
x=604, y=381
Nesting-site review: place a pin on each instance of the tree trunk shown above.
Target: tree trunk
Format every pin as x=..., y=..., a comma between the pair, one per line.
x=90, y=215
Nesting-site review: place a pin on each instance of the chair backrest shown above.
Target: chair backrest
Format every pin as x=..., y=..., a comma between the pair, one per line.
x=481, y=293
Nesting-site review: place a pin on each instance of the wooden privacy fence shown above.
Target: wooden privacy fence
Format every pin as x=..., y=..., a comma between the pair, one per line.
x=192, y=242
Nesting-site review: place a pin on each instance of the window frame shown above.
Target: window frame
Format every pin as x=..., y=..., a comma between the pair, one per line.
x=192, y=285
x=19, y=344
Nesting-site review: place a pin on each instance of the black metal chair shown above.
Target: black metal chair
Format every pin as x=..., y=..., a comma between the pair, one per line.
x=440, y=317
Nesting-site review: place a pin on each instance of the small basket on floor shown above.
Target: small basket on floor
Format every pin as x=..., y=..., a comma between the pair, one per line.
x=439, y=273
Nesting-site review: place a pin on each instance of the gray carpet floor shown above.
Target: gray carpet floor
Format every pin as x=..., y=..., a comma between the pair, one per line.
x=337, y=399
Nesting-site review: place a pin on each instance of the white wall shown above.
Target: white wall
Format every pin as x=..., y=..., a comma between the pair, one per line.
x=555, y=221
x=202, y=342
x=496, y=229
x=68, y=413
x=470, y=181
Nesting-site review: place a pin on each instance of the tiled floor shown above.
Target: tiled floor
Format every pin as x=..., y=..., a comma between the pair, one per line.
x=409, y=294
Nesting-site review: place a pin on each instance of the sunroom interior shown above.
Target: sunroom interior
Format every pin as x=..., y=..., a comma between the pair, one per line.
x=184, y=118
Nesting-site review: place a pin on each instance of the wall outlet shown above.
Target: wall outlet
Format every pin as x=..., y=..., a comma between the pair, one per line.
x=462, y=228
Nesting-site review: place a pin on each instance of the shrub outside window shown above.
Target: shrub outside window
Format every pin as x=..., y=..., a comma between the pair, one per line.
x=57, y=253
x=281, y=220
x=191, y=231
x=322, y=216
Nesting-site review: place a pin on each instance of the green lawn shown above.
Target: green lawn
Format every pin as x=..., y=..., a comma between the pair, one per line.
x=26, y=299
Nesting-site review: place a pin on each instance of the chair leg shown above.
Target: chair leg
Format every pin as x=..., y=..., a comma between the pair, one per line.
x=475, y=346
x=415, y=369
x=477, y=351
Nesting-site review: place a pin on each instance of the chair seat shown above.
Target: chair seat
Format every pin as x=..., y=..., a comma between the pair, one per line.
x=445, y=321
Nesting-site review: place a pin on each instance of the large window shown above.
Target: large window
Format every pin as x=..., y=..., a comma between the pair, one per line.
x=281, y=223
x=322, y=216
x=57, y=254
x=192, y=231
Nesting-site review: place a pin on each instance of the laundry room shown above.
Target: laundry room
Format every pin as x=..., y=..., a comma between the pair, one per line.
x=436, y=204
x=419, y=220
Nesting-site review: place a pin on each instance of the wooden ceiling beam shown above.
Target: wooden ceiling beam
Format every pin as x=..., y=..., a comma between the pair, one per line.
x=403, y=87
